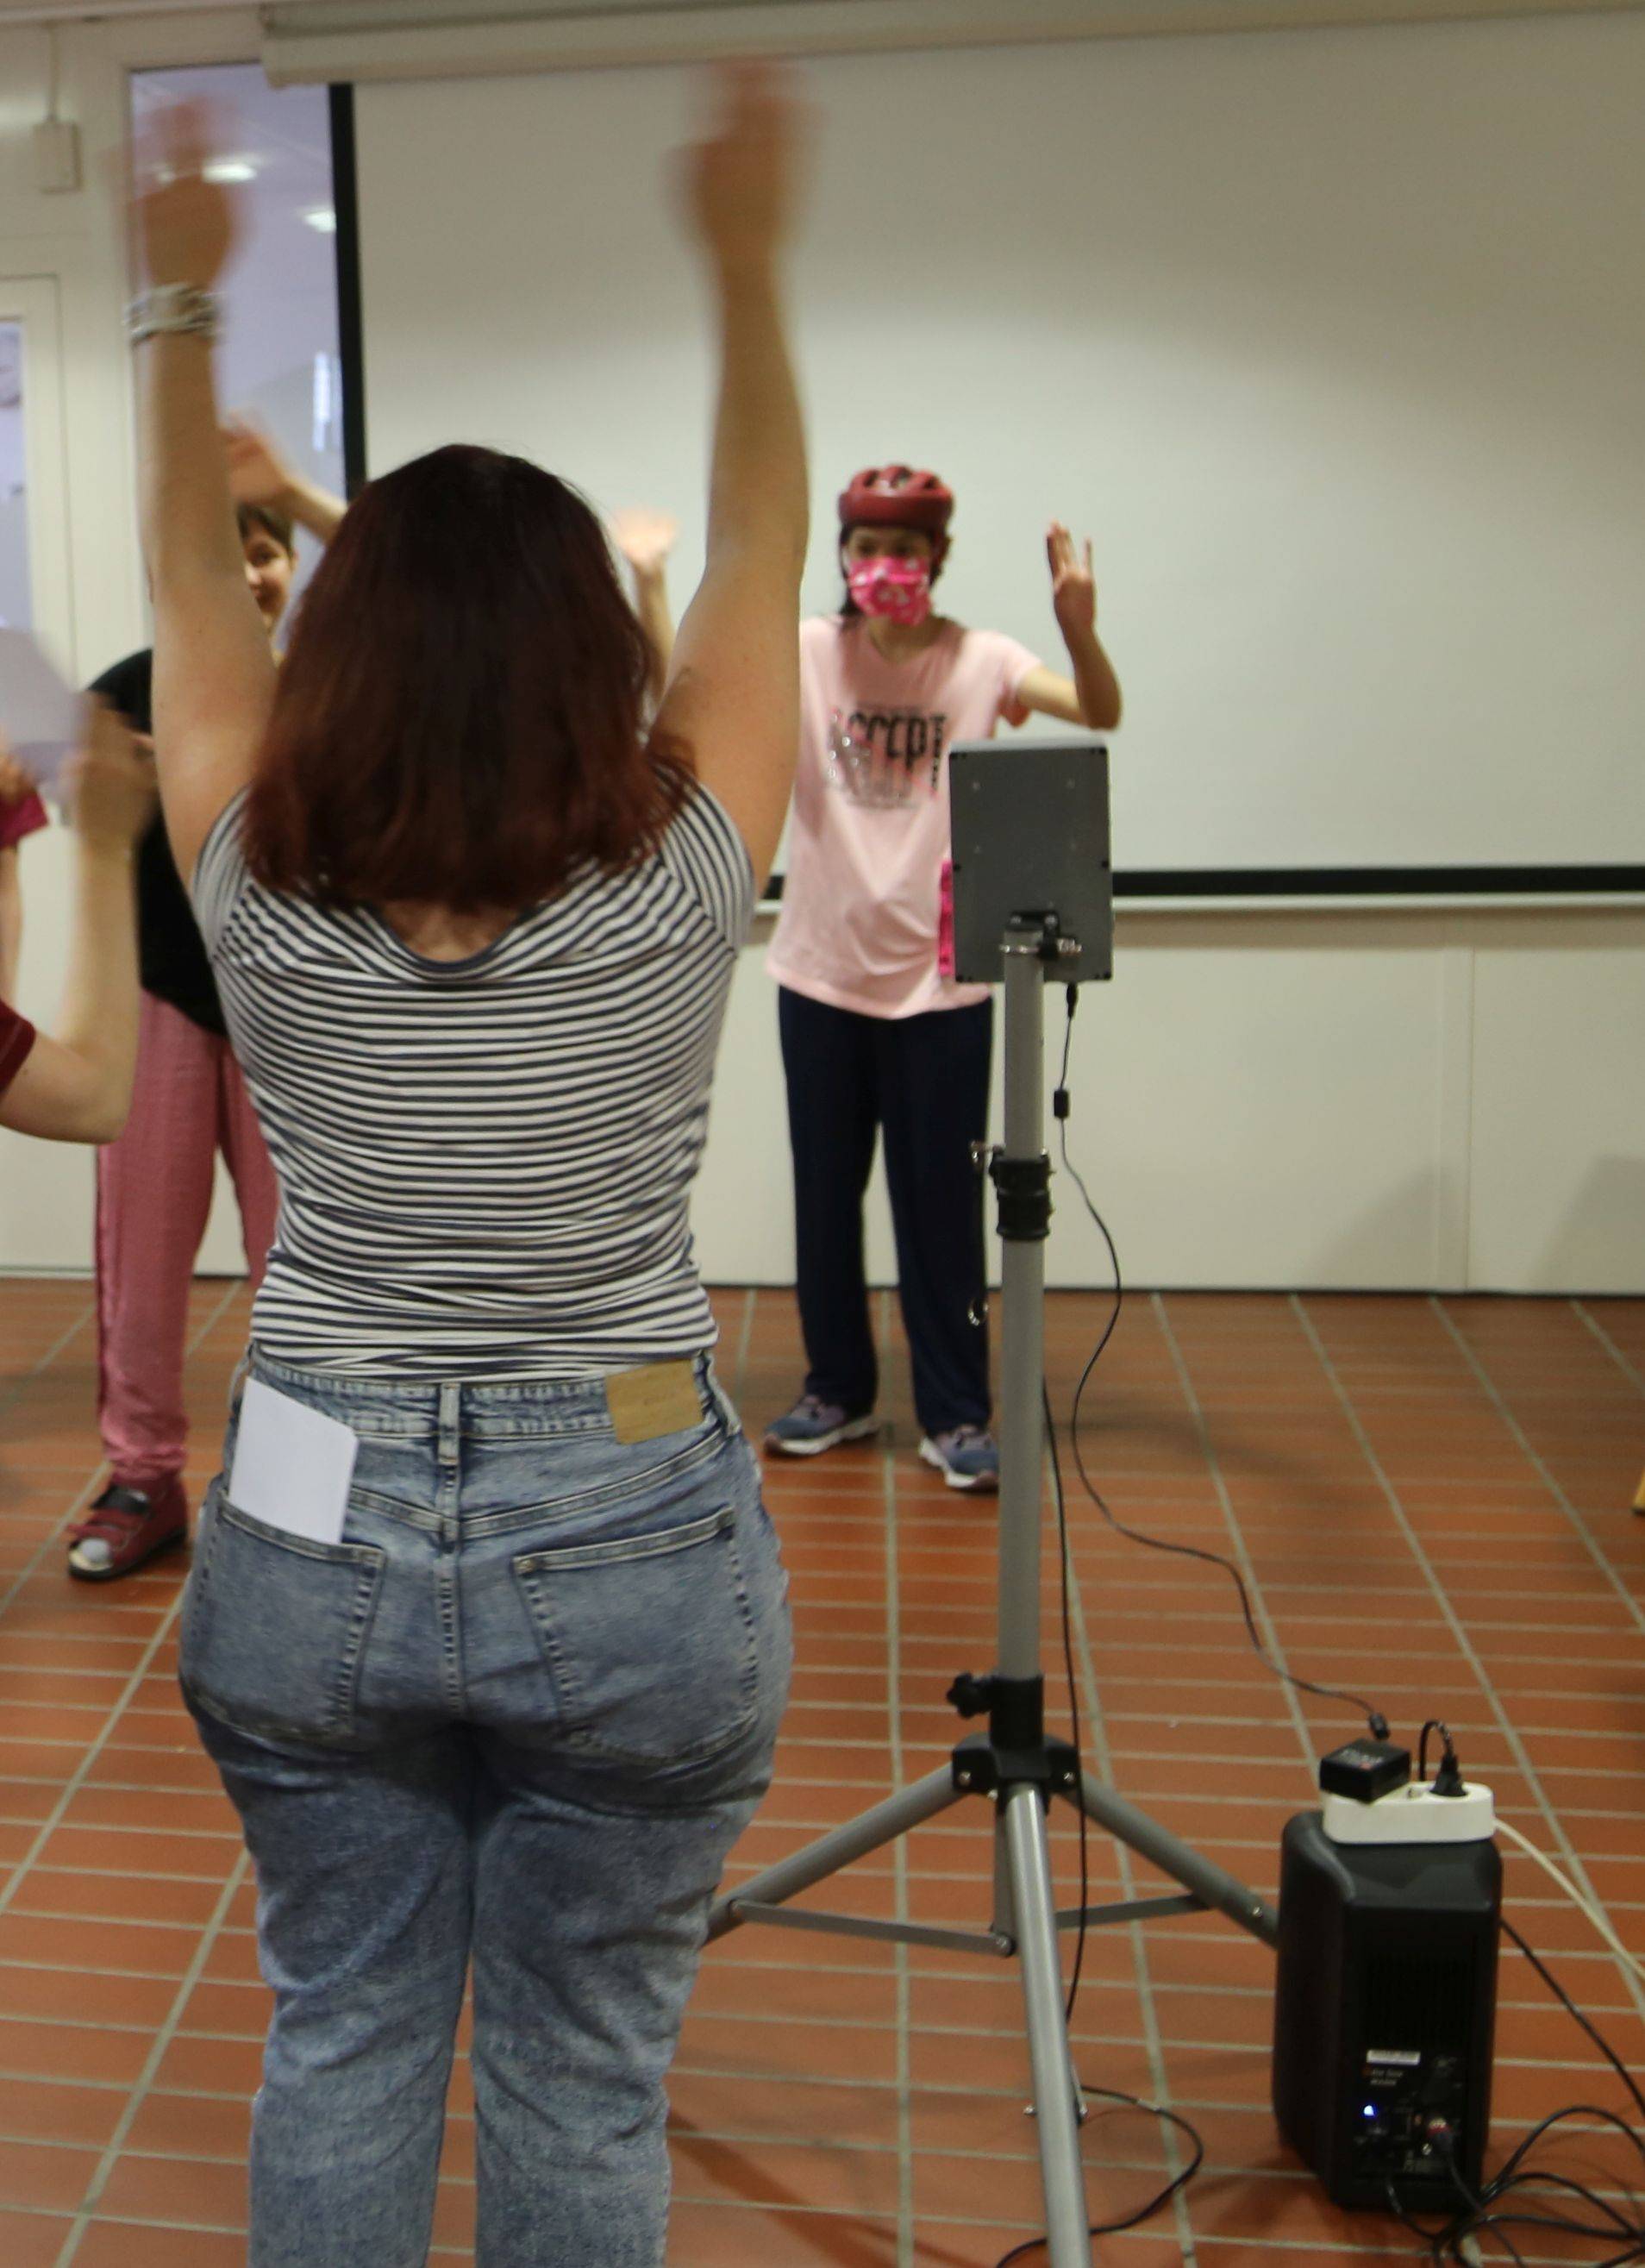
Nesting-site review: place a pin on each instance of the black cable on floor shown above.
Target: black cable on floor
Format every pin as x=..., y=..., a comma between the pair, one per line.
x=1161, y=2197
x=1374, y=1716
x=1520, y=2187
x=1517, y=2185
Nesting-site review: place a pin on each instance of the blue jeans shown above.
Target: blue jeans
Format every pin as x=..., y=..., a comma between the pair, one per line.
x=517, y=1717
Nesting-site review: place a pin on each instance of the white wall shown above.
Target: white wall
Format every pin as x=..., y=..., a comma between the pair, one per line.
x=1333, y=340
x=1440, y=1097
x=1336, y=1097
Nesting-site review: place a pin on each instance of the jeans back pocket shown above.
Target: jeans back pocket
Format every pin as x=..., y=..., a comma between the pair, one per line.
x=650, y=1640
x=274, y=1626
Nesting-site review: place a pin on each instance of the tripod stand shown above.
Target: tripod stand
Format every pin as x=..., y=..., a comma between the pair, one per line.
x=1013, y=1764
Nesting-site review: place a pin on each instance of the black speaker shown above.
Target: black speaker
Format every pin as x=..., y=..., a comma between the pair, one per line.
x=1384, y=2013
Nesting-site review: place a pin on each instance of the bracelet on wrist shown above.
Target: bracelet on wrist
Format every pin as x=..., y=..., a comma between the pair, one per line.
x=180, y=309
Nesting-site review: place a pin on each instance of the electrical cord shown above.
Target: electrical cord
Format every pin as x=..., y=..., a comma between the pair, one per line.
x=1595, y=1914
x=1521, y=2185
x=1066, y=1555
x=1374, y=1716
x=1516, y=2184
x=1161, y=2197
x=1573, y=2011
x=1518, y=2195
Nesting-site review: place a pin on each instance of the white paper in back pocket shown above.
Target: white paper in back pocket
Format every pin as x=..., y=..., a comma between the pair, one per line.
x=293, y=1466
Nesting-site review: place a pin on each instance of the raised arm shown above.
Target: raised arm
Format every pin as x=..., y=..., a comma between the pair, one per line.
x=76, y=1084
x=645, y=539
x=734, y=689
x=1091, y=695
x=15, y=789
x=11, y=920
x=259, y=474
x=213, y=670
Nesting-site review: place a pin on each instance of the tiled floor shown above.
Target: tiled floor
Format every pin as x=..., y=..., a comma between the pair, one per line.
x=1431, y=1499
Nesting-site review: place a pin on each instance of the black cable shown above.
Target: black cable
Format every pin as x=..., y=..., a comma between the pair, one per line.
x=1373, y=1717
x=1074, y=1701
x=1434, y=1724
x=1520, y=2184
x=1160, y=2198
x=1592, y=2030
x=1482, y=2217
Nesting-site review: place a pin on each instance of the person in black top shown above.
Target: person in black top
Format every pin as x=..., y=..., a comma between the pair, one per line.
x=154, y=1185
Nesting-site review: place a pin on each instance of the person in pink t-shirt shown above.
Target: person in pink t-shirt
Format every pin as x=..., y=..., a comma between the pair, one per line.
x=876, y=1040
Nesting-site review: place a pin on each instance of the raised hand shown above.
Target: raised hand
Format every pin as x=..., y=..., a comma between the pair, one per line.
x=183, y=226
x=15, y=784
x=644, y=539
x=258, y=473
x=112, y=786
x=741, y=181
x=1073, y=586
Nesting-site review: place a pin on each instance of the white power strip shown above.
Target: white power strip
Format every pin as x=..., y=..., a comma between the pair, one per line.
x=1413, y=1814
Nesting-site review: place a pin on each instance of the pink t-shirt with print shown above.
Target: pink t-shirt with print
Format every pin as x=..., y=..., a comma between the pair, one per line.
x=869, y=837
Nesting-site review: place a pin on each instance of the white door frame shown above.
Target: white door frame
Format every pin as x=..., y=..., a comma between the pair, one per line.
x=45, y=1186
x=30, y=301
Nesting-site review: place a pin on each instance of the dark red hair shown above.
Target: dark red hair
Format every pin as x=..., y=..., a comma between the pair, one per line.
x=457, y=720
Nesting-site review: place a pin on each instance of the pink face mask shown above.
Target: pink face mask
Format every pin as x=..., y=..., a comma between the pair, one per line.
x=891, y=590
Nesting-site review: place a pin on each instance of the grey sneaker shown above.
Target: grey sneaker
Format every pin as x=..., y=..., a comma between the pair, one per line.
x=813, y=1425
x=968, y=1458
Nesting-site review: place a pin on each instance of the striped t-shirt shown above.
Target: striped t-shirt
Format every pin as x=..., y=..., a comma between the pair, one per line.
x=485, y=1165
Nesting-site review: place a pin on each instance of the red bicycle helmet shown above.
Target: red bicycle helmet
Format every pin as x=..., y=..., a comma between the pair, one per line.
x=898, y=495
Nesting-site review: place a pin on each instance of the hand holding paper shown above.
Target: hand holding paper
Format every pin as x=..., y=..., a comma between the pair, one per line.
x=42, y=718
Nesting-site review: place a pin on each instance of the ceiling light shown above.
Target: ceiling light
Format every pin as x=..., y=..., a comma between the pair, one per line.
x=322, y=218
x=229, y=169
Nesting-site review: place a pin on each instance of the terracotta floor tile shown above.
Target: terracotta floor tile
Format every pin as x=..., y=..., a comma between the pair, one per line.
x=47, y=1890
x=33, y=2110
x=191, y=2127
x=116, y=2244
x=70, y=2052
x=195, y=2066
x=195, y=2189
x=68, y=1996
x=704, y=2235
x=1511, y=1476
x=88, y=1946
x=32, y=2240
x=42, y=2178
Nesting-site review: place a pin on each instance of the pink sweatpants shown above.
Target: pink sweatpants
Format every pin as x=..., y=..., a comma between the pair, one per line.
x=153, y=1197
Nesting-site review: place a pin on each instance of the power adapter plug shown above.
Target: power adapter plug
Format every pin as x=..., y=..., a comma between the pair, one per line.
x=1365, y=1770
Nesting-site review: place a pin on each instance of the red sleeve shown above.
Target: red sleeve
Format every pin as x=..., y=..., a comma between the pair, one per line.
x=18, y=819
x=17, y=1037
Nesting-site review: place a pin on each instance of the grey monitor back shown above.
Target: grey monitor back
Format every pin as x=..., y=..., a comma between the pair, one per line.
x=1031, y=836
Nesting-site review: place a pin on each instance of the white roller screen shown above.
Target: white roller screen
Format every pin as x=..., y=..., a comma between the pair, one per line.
x=1335, y=341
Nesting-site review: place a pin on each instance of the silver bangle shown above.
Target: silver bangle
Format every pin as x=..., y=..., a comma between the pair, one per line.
x=172, y=307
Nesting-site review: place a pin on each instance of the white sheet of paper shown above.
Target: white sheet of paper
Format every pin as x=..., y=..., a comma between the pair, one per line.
x=41, y=714
x=293, y=1466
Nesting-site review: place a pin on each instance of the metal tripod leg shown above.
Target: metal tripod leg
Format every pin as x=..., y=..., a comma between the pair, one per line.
x=1068, y=2222
x=911, y=1808
x=1015, y=1764
x=1207, y=1881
